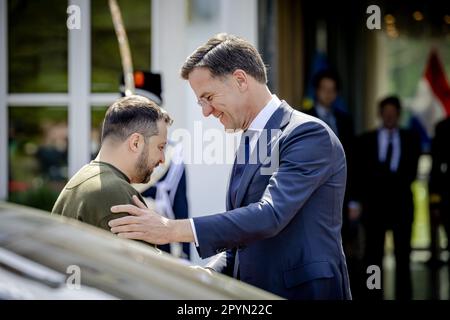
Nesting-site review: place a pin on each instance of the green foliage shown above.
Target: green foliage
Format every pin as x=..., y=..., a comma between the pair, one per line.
x=41, y=198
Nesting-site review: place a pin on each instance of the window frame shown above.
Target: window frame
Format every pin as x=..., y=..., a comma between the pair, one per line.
x=79, y=99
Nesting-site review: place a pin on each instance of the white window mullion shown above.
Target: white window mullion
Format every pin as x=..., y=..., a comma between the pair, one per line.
x=38, y=99
x=79, y=89
x=3, y=100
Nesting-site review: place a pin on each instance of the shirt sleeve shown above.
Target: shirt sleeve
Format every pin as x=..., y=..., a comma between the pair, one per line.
x=99, y=204
x=194, y=231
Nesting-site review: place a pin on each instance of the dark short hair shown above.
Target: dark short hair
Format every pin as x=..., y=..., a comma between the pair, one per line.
x=223, y=54
x=133, y=114
x=326, y=74
x=393, y=100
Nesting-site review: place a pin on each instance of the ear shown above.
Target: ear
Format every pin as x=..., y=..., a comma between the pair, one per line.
x=134, y=142
x=241, y=78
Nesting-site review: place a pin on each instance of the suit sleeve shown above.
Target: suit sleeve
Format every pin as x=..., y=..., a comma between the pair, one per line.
x=305, y=157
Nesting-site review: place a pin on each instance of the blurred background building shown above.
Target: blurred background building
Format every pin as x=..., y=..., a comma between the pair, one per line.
x=56, y=83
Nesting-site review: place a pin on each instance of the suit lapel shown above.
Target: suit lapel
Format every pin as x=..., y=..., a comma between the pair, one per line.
x=278, y=120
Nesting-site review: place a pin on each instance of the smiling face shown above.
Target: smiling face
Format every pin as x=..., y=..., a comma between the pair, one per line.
x=220, y=97
x=152, y=154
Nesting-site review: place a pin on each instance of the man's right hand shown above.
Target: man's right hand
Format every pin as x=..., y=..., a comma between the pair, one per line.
x=145, y=224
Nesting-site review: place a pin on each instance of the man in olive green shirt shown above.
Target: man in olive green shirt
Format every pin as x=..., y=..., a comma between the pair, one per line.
x=134, y=135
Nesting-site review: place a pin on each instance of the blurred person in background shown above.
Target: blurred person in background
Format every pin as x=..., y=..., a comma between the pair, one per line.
x=386, y=164
x=439, y=187
x=52, y=153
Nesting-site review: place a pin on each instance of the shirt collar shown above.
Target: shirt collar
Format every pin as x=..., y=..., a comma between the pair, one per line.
x=264, y=115
x=118, y=173
x=386, y=131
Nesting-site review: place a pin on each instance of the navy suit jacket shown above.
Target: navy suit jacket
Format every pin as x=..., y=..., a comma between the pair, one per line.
x=285, y=227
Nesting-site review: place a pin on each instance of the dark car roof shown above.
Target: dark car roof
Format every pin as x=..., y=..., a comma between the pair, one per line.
x=110, y=267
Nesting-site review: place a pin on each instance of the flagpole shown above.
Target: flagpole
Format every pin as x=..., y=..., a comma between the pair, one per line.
x=124, y=47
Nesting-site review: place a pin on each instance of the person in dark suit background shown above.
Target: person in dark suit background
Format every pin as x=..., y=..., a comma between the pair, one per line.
x=387, y=160
x=281, y=230
x=327, y=85
x=439, y=187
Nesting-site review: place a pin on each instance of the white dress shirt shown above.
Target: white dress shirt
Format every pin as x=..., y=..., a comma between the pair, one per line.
x=257, y=124
x=383, y=143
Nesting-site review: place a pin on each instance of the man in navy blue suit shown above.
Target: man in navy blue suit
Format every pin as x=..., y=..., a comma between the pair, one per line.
x=282, y=228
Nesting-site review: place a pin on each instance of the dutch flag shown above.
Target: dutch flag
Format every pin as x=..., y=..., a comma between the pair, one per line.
x=432, y=101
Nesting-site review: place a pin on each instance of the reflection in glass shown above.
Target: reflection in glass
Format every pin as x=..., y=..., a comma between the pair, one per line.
x=37, y=46
x=37, y=155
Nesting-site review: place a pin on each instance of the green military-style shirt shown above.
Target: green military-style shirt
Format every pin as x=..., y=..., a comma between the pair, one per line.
x=92, y=191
